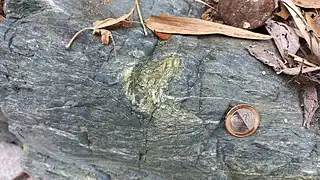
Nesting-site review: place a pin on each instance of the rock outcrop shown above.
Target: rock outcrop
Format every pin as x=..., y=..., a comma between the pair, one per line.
x=154, y=111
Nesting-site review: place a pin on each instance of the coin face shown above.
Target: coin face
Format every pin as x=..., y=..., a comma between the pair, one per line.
x=242, y=120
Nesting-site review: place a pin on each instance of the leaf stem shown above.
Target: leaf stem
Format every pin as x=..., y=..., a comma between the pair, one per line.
x=74, y=37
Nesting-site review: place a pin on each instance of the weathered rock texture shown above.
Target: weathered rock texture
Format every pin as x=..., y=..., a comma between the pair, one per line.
x=155, y=111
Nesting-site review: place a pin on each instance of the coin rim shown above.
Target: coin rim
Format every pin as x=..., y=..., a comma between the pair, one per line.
x=233, y=110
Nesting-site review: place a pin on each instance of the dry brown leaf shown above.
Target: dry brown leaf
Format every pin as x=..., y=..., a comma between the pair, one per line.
x=111, y=21
x=312, y=21
x=285, y=38
x=105, y=35
x=192, y=26
x=310, y=104
x=266, y=55
x=308, y=3
x=283, y=13
x=163, y=36
x=307, y=32
x=102, y=24
x=297, y=70
x=2, y=18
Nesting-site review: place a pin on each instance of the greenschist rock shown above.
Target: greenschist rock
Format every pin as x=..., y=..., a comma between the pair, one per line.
x=155, y=111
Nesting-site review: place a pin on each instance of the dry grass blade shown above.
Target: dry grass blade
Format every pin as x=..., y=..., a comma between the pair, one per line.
x=140, y=17
x=192, y=26
x=307, y=32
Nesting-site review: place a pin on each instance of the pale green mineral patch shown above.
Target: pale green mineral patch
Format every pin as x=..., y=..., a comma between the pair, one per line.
x=145, y=85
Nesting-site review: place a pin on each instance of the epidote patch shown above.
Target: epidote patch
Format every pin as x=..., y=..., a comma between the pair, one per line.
x=145, y=86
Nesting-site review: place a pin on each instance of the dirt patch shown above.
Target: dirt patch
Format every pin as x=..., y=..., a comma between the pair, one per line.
x=2, y=15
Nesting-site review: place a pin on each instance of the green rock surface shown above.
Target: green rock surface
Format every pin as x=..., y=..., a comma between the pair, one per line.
x=154, y=111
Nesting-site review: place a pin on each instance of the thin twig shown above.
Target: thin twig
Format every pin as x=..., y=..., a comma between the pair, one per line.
x=140, y=17
x=302, y=60
x=114, y=45
x=301, y=67
x=202, y=2
x=74, y=37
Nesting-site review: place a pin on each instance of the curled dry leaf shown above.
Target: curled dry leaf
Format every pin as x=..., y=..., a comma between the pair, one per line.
x=192, y=26
x=102, y=24
x=310, y=104
x=306, y=31
x=285, y=38
x=268, y=56
x=308, y=3
x=105, y=35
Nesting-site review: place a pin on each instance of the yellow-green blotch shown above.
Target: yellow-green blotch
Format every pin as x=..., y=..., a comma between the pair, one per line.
x=145, y=85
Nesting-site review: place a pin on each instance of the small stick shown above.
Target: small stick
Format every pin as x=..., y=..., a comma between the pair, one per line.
x=301, y=60
x=74, y=37
x=114, y=45
x=202, y=2
x=141, y=19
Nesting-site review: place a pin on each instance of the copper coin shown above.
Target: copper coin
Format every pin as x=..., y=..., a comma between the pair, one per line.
x=242, y=120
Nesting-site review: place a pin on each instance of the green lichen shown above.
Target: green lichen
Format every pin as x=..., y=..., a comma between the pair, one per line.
x=145, y=86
